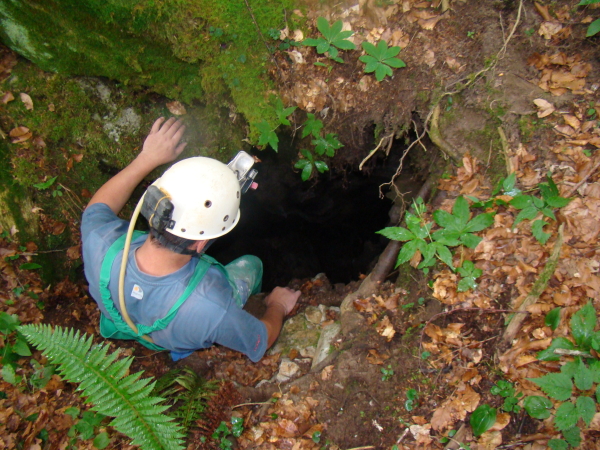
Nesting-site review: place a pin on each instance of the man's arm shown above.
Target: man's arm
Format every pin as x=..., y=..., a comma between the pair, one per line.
x=160, y=147
x=280, y=303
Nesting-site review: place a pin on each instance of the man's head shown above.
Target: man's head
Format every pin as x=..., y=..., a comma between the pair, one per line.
x=197, y=199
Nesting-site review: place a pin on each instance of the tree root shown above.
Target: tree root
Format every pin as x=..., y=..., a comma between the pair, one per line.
x=436, y=137
x=538, y=288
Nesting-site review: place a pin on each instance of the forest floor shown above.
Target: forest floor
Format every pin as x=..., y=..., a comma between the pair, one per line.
x=430, y=364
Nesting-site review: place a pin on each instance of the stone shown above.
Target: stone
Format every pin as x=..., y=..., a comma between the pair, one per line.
x=324, y=347
x=287, y=369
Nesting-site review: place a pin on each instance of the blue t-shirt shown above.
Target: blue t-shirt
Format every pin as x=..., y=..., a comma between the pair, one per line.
x=209, y=315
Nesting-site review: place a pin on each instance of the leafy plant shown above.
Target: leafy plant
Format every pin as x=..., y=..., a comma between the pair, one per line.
x=380, y=59
x=46, y=184
x=594, y=27
x=267, y=134
x=411, y=399
x=187, y=391
x=482, y=419
x=511, y=398
x=86, y=428
x=222, y=432
x=387, y=373
x=308, y=163
x=105, y=382
x=327, y=145
x=469, y=274
x=312, y=126
x=333, y=39
x=582, y=373
x=456, y=228
x=531, y=206
x=15, y=347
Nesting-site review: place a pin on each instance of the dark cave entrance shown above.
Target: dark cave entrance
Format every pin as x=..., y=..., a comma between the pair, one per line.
x=327, y=224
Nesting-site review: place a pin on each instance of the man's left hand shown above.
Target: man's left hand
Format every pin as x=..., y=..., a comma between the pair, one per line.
x=163, y=143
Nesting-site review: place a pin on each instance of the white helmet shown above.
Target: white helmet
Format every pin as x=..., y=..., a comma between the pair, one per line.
x=205, y=194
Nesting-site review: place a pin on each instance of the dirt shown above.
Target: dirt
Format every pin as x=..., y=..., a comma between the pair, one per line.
x=358, y=397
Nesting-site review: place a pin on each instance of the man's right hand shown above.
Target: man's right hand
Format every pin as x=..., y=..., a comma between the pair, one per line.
x=283, y=296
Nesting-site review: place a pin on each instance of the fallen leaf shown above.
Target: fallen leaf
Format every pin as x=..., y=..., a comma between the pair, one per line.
x=572, y=121
x=375, y=358
x=26, y=99
x=549, y=29
x=58, y=228
x=543, y=11
x=78, y=157
x=74, y=252
x=19, y=134
x=545, y=107
x=386, y=329
x=7, y=97
x=176, y=108
x=326, y=372
x=38, y=142
x=51, y=107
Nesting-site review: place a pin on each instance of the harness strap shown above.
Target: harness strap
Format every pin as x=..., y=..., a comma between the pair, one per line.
x=120, y=326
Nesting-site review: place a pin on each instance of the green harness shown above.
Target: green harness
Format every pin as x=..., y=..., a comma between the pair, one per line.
x=116, y=327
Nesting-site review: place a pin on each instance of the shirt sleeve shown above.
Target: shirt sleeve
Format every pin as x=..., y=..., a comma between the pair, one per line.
x=241, y=331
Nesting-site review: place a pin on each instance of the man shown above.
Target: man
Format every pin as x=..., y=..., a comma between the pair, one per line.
x=175, y=298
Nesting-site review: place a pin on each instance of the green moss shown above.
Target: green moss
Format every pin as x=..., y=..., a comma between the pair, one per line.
x=206, y=50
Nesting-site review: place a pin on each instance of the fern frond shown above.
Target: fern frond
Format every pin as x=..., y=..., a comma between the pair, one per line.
x=190, y=392
x=105, y=384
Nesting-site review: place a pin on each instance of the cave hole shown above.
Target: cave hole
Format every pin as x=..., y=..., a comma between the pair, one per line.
x=325, y=225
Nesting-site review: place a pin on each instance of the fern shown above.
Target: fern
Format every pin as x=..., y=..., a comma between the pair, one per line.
x=189, y=391
x=106, y=384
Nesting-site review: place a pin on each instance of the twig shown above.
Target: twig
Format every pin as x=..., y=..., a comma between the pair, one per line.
x=505, y=150
x=502, y=51
x=537, y=289
x=583, y=180
x=564, y=351
x=383, y=139
x=362, y=448
x=263, y=39
x=251, y=404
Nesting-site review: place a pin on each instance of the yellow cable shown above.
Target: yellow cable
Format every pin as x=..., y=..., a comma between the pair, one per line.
x=124, y=312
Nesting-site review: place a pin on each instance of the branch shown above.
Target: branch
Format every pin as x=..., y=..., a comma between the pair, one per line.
x=538, y=288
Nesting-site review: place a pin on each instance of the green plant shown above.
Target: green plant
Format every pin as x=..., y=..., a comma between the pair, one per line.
x=387, y=373
x=327, y=145
x=594, y=27
x=187, y=391
x=307, y=164
x=511, y=397
x=222, y=432
x=15, y=347
x=380, y=59
x=531, y=206
x=105, y=382
x=469, y=274
x=456, y=229
x=267, y=135
x=411, y=399
x=581, y=374
x=333, y=39
x=482, y=419
x=471, y=34
x=86, y=427
x=312, y=126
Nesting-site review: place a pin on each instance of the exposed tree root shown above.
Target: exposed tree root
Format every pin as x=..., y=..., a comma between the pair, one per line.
x=537, y=289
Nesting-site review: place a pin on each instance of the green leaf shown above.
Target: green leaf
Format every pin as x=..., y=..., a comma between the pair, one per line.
x=557, y=385
x=461, y=210
x=528, y=213
x=537, y=407
x=480, y=222
x=557, y=201
x=583, y=376
x=396, y=63
x=558, y=444
x=8, y=322
x=572, y=436
x=537, y=229
x=46, y=184
x=397, y=233
x=312, y=126
x=552, y=319
x=407, y=251
x=470, y=240
x=595, y=369
x=446, y=237
x=21, y=348
x=482, y=419
x=549, y=355
x=267, y=135
x=312, y=42
x=444, y=254
x=582, y=324
x=323, y=46
x=598, y=393
x=566, y=416
x=449, y=221
x=321, y=166
x=9, y=375
x=105, y=382
x=306, y=172
x=586, y=408
x=370, y=49
x=522, y=201
x=101, y=441
x=30, y=266
x=344, y=44
x=594, y=28
x=466, y=284
x=587, y=2
x=381, y=71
